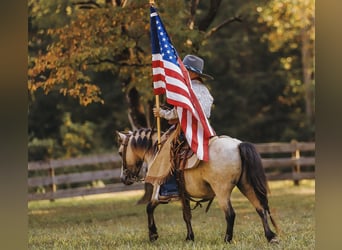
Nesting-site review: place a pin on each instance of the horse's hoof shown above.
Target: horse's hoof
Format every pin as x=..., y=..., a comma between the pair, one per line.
x=274, y=241
x=228, y=239
x=190, y=238
x=153, y=237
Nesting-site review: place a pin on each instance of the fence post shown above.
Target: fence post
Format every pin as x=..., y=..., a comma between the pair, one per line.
x=296, y=167
x=53, y=185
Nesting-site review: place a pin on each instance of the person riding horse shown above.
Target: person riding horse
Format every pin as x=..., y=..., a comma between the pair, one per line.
x=194, y=65
x=233, y=163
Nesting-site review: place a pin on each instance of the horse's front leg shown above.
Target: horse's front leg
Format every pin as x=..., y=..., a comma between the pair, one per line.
x=187, y=218
x=152, y=229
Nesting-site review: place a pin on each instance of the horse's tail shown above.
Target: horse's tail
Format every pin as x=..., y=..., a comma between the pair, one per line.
x=255, y=174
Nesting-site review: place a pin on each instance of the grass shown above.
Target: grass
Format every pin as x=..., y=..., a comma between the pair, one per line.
x=113, y=221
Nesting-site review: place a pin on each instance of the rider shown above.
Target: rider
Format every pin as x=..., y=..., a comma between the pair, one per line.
x=194, y=65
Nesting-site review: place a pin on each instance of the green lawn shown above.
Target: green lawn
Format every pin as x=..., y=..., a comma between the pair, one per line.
x=113, y=221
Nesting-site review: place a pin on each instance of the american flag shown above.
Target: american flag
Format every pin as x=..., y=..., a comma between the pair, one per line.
x=170, y=77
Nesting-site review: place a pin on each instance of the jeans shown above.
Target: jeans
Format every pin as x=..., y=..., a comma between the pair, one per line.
x=170, y=186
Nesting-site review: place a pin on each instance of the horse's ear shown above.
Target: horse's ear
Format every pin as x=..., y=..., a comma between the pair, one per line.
x=120, y=137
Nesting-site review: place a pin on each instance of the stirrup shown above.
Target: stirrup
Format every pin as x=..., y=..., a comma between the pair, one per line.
x=168, y=198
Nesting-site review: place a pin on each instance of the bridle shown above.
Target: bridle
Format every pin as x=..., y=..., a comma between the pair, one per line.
x=130, y=174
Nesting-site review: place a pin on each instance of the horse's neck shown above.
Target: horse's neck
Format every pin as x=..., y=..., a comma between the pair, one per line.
x=153, y=150
x=156, y=146
x=145, y=145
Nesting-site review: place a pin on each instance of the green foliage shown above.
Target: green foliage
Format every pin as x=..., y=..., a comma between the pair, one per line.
x=256, y=97
x=44, y=13
x=39, y=149
x=116, y=222
x=288, y=20
x=77, y=138
x=292, y=31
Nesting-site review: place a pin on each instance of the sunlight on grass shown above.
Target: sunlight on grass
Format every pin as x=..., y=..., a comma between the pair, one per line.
x=114, y=221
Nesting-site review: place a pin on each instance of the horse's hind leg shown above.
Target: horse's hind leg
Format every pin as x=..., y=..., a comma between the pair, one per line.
x=248, y=191
x=253, y=184
x=271, y=236
x=230, y=218
x=152, y=229
x=223, y=198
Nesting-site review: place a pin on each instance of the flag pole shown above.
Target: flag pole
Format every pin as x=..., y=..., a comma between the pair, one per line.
x=157, y=104
x=158, y=121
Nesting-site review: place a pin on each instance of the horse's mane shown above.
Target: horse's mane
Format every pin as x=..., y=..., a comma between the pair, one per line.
x=143, y=139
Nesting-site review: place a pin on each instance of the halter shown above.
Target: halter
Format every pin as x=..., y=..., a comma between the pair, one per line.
x=138, y=164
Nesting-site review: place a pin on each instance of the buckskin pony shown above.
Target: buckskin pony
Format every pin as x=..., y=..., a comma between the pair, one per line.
x=232, y=163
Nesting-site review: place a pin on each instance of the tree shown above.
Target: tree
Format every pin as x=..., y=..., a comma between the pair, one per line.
x=292, y=27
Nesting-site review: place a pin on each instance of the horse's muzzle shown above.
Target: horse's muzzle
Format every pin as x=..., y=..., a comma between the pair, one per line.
x=126, y=180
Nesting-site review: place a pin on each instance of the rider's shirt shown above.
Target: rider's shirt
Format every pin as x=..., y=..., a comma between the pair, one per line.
x=203, y=95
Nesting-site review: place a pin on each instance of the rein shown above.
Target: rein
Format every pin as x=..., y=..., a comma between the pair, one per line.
x=124, y=151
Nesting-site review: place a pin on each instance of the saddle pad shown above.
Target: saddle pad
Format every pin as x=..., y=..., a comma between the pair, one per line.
x=193, y=161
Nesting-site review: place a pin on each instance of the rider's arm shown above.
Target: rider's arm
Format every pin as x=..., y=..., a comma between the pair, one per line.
x=167, y=114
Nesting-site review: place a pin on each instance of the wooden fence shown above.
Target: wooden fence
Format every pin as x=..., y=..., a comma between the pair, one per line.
x=282, y=161
x=288, y=161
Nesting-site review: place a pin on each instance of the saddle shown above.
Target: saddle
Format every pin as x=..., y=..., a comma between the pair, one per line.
x=183, y=156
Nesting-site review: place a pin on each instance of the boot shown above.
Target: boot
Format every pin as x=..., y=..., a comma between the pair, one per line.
x=169, y=190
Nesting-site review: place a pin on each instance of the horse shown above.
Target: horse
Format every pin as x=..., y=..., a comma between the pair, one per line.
x=232, y=163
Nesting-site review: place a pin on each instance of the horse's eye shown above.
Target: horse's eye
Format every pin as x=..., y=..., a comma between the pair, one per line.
x=120, y=153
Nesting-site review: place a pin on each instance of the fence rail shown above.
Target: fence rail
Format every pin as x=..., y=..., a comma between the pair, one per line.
x=288, y=167
x=295, y=160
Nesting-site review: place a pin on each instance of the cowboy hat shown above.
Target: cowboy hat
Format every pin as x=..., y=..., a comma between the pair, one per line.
x=195, y=64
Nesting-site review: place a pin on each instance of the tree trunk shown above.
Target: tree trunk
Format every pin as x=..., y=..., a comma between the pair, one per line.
x=204, y=24
x=136, y=113
x=307, y=62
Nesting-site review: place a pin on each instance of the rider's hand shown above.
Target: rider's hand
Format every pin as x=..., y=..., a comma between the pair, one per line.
x=156, y=112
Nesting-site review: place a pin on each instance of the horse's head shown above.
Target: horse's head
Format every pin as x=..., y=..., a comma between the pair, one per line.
x=133, y=149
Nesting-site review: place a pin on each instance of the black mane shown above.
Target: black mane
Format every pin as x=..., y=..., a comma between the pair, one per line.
x=142, y=139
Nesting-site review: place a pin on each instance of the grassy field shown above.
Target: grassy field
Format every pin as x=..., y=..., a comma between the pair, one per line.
x=113, y=221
